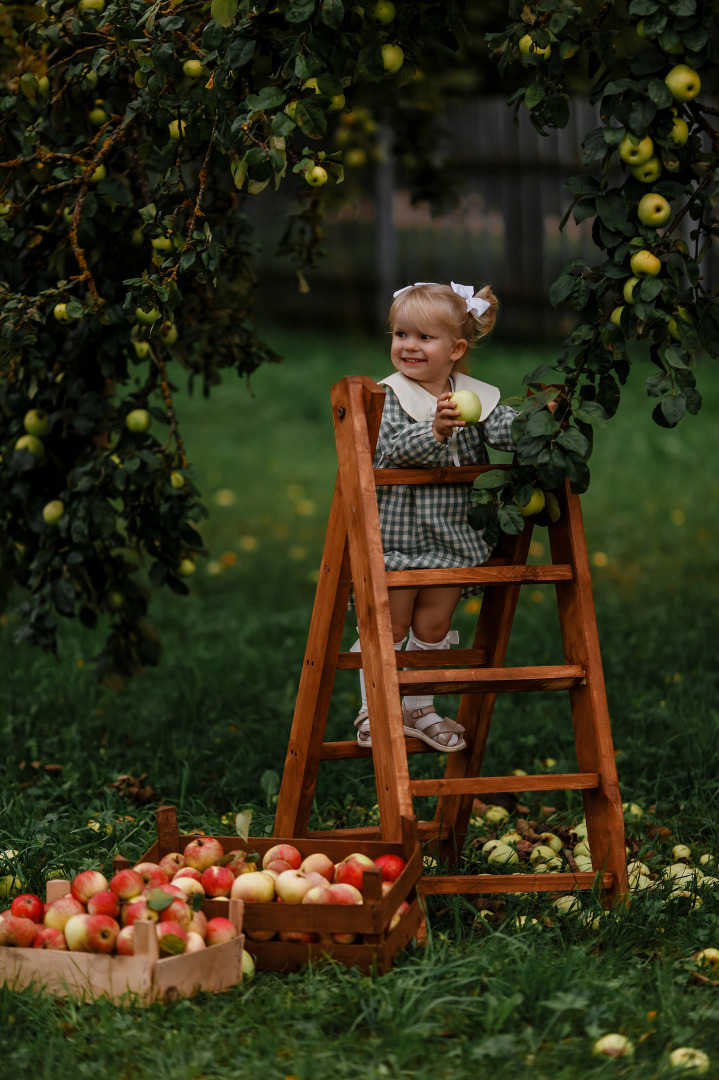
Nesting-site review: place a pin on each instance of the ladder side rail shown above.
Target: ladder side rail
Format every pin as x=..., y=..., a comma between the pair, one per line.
x=590, y=712
x=314, y=693
x=494, y=626
x=352, y=399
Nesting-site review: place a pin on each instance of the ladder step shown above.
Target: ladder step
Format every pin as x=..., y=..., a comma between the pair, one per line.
x=429, y=658
x=451, y=884
x=471, y=785
x=447, y=474
x=346, y=751
x=491, y=680
x=524, y=574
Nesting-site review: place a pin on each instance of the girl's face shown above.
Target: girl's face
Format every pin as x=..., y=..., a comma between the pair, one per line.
x=425, y=354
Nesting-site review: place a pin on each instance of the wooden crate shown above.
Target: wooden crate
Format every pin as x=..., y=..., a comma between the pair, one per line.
x=376, y=946
x=146, y=976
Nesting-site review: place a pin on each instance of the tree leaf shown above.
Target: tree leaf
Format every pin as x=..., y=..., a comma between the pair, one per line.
x=224, y=11
x=243, y=821
x=490, y=481
x=332, y=13
x=510, y=519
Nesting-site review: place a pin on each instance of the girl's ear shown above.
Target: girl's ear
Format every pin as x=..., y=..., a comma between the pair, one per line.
x=459, y=349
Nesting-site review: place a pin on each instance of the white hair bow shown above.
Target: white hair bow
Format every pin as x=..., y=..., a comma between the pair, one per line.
x=475, y=304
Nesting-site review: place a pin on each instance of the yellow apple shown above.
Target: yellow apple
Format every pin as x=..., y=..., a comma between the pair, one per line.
x=34, y=445
x=60, y=313
x=176, y=128
x=683, y=82
x=193, y=68
x=635, y=151
x=177, y=480
x=392, y=58
x=186, y=568
x=138, y=420
x=645, y=264
x=311, y=84
x=527, y=45
x=98, y=116
x=649, y=171
x=383, y=12
x=99, y=174
x=654, y=210
x=616, y=316
x=142, y=349
x=168, y=333
x=161, y=243
x=147, y=317
x=337, y=102
x=535, y=504
x=36, y=422
x=679, y=133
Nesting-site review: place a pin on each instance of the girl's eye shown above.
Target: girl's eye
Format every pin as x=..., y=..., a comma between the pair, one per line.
x=399, y=333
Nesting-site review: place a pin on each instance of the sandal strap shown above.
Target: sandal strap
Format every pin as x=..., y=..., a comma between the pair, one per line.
x=427, y=710
x=362, y=716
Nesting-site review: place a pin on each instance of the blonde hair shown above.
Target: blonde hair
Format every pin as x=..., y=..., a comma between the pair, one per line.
x=433, y=304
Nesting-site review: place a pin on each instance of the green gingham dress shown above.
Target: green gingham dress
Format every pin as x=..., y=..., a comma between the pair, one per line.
x=425, y=526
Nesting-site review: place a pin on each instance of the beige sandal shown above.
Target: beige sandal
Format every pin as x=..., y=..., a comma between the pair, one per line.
x=362, y=725
x=433, y=731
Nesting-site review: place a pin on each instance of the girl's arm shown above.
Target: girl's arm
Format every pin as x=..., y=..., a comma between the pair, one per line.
x=497, y=428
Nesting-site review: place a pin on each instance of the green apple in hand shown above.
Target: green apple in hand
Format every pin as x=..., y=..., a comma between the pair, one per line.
x=654, y=210
x=469, y=405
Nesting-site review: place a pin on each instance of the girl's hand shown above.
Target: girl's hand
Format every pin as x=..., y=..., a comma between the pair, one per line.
x=445, y=418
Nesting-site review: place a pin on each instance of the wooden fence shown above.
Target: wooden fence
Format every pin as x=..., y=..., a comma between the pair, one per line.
x=504, y=231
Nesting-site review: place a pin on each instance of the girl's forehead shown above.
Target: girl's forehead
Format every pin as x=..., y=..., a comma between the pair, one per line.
x=420, y=326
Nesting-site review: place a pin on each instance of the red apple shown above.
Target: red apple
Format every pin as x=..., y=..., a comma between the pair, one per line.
x=76, y=932
x=237, y=862
x=344, y=938
x=195, y=942
x=59, y=911
x=86, y=884
x=28, y=906
x=254, y=888
x=220, y=930
x=344, y=893
x=171, y=937
x=172, y=863
x=351, y=870
x=278, y=866
x=319, y=863
x=127, y=884
x=391, y=866
x=300, y=936
x=287, y=852
x=203, y=851
x=138, y=909
x=188, y=886
x=170, y=889
x=187, y=871
x=260, y=935
x=318, y=894
x=17, y=932
x=50, y=938
x=125, y=943
x=198, y=924
x=104, y=903
x=217, y=881
x=316, y=879
x=152, y=874
x=102, y=933
x=292, y=885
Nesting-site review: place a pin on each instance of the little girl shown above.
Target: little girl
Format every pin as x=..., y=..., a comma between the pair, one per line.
x=425, y=526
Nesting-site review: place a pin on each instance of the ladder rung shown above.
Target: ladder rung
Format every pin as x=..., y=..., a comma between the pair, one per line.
x=524, y=574
x=491, y=680
x=346, y=750
x=473, y=785
x=449, y=474
x=428, y=658
x=451, y=884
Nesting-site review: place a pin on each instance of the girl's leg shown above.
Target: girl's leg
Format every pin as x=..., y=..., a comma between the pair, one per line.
x=430, y=629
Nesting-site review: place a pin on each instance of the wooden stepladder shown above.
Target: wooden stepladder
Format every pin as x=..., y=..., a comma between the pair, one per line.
x=353, y=557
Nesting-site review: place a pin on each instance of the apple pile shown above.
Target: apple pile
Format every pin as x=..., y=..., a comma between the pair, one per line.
x=99, y=916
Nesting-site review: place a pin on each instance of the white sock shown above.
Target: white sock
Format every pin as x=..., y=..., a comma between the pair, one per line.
x=363, y=689
x=416, y=645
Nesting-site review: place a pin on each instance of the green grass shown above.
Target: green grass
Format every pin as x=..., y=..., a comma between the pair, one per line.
x=207, y=731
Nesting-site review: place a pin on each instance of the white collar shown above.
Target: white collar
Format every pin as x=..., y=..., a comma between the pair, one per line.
x=421, y=405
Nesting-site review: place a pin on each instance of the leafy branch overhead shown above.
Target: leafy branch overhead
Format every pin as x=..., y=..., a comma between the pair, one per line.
x=135, y=134
x=649, y=187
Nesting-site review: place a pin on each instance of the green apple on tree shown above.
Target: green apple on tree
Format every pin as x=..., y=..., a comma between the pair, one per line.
x=97, y=115
x=680, y=131
x=138, y=420
x=316, y=175
x=176, y=128
x=654, y=210
x=616, y=316
x=142, y=349
x=186, y=567
x=60, y=313
x=649, y=171
x=683, y=82
x=53, y=511
x=383, y=12
x=392, y=58
x=527, y=45
x=535, y=504
x=177, y=480
x=161, y=243
x=168, y=333
x=645, y=263
x=36, y=422
x=147, y=317
x=193, y=68
x=628, y=289
x=683, y=315
x=33, y=445
x=635, y=151
x=91, y=5
x=99, y=174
